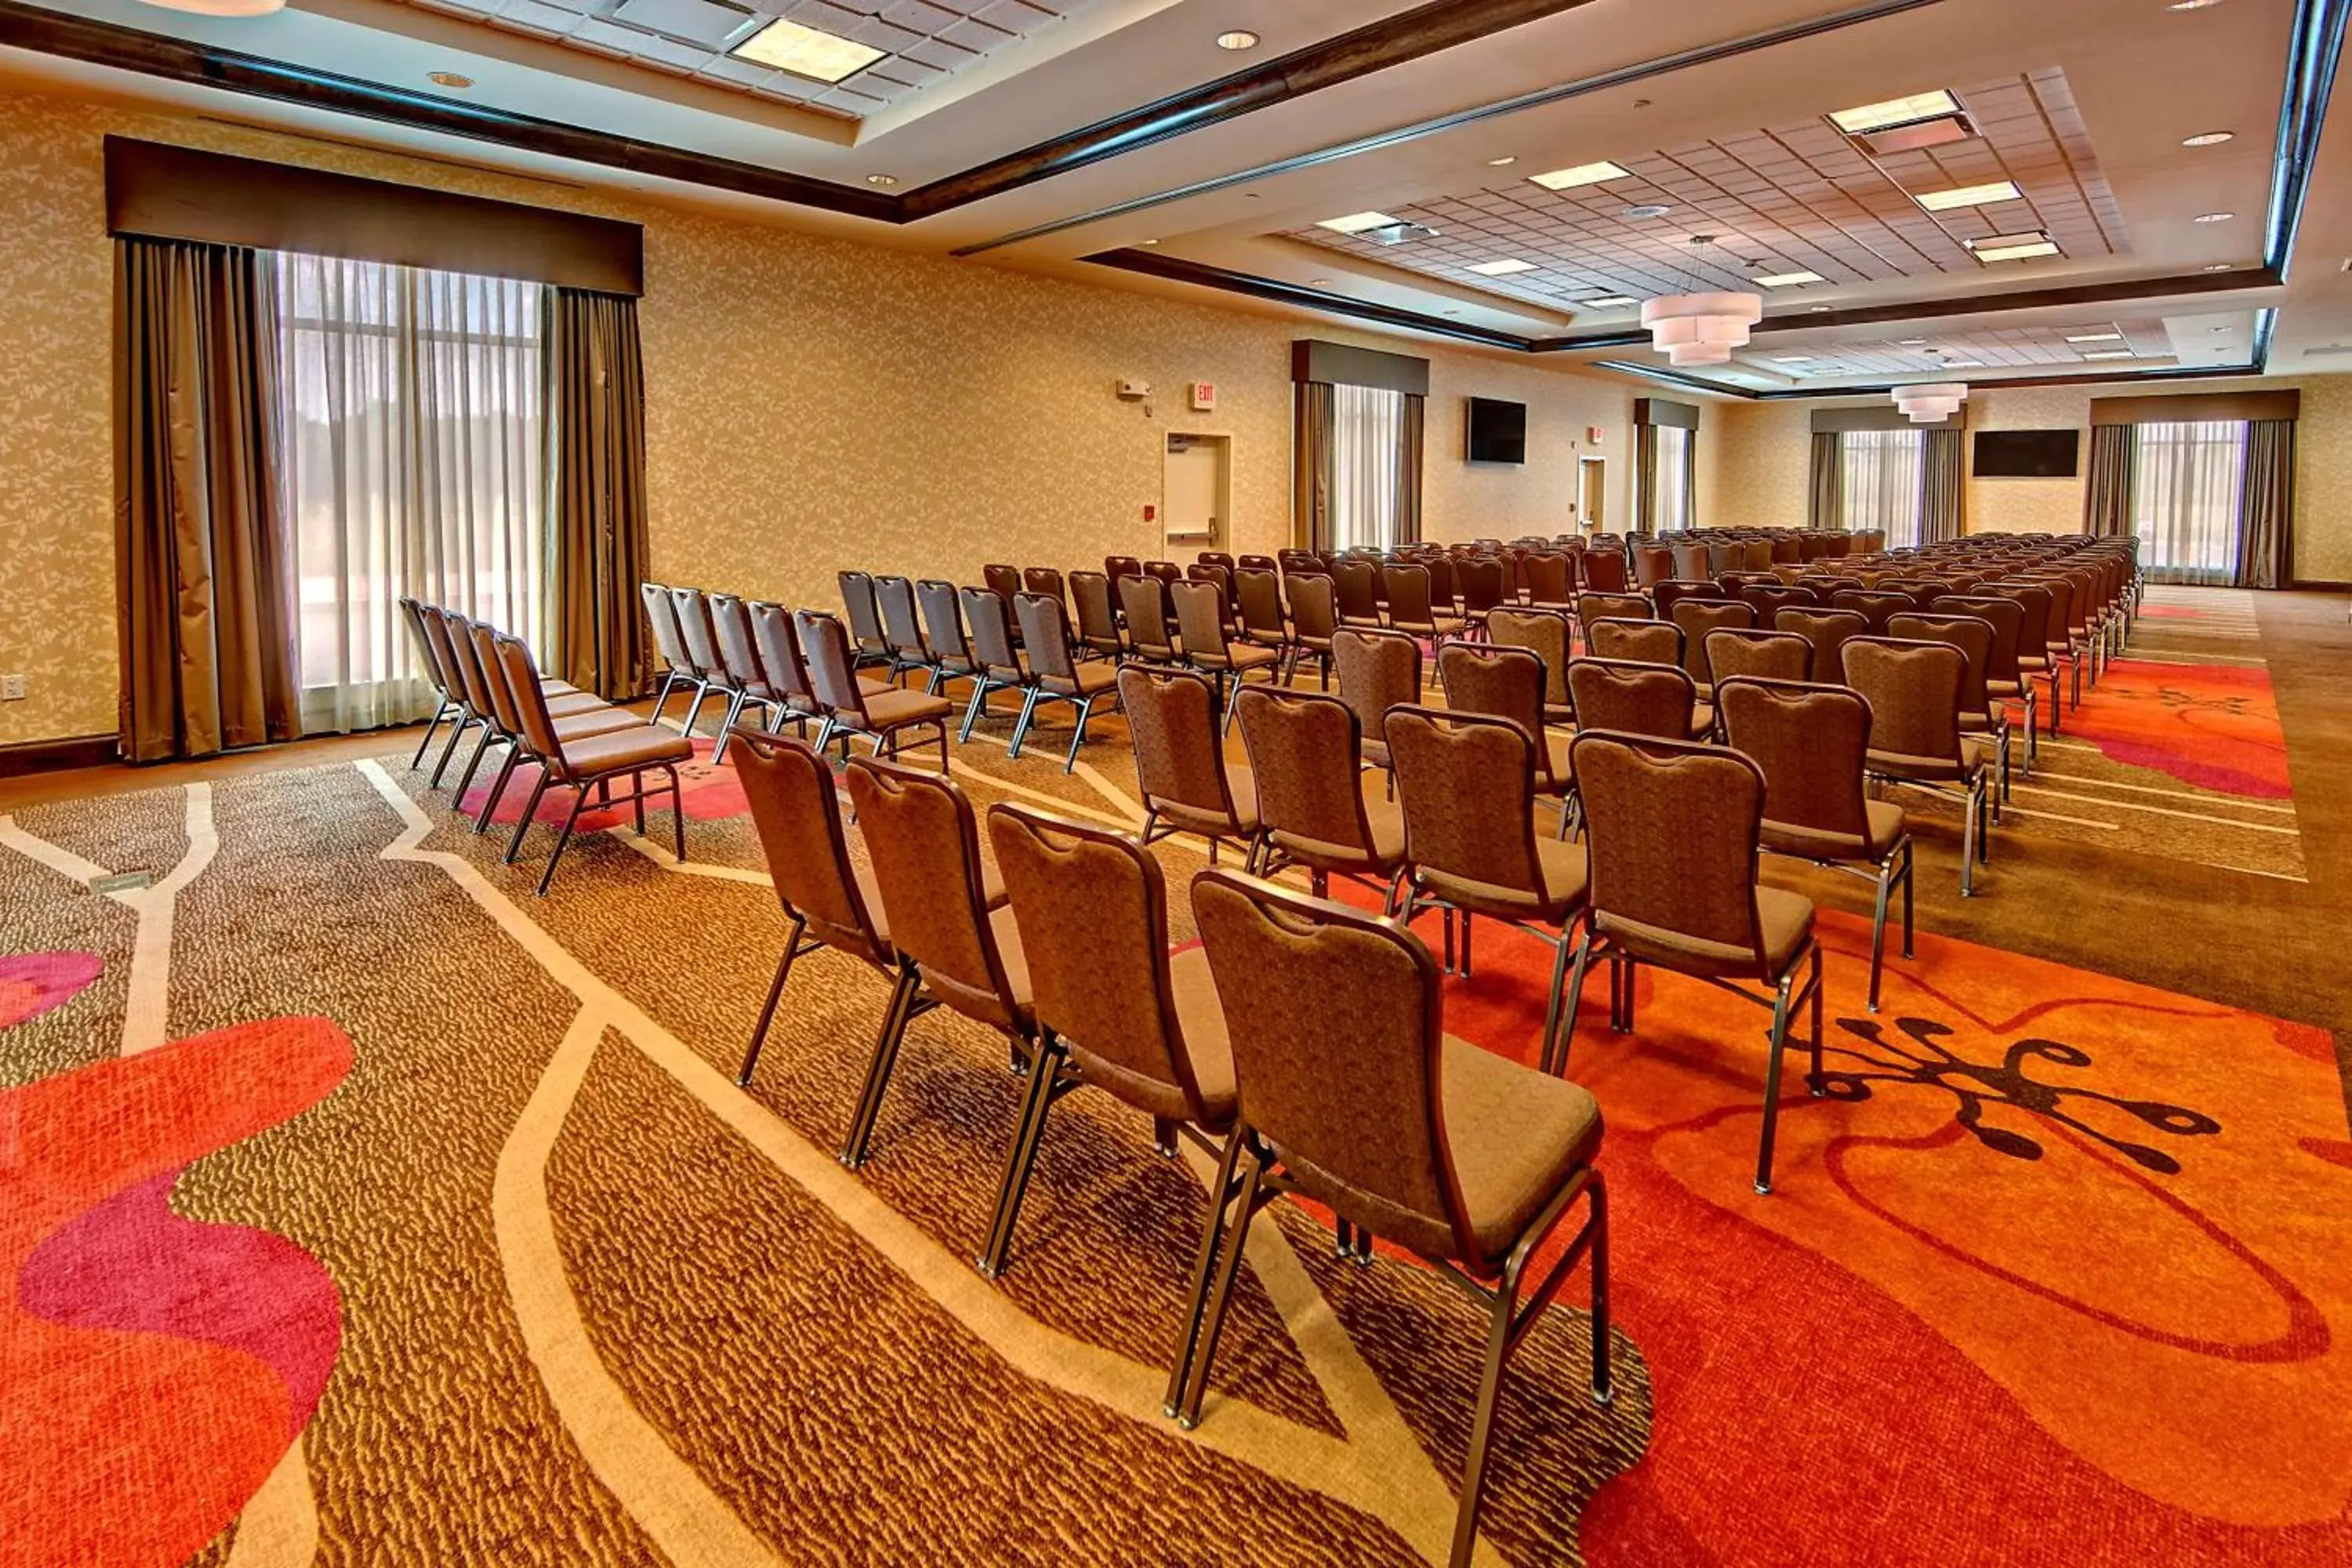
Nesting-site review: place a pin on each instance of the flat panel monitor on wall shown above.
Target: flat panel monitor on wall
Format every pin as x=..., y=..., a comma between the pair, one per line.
x=1499, y=431
x=2027, y=453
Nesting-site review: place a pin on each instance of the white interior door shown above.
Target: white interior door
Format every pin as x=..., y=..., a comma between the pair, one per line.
x=1194, y=486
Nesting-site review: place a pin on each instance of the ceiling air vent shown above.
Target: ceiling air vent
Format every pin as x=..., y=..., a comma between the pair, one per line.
x=1397, y=233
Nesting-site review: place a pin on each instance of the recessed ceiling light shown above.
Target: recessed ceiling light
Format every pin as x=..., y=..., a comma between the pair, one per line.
x=1910, y=342
x=886, y=181
x=1647, y=210
x=1356, y=223
x=1964, y=364
x=1968, y=196
x=1583, y=174
x=2191, y=4
x=2016, y=252
x=2215, y=218
x=1238, y=39
x=1787, y=279
x=1792, y=359
x=1504, y=161
x=2207, y=139
x=1819, y=309
x=1895, y=111
x=450, y=79
x=2096, y=338
x=2111, y=354
x=804, y=51
x=1609, y=301
x=1501, y=268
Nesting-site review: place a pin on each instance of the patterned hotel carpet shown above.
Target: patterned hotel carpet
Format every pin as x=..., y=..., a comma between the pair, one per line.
x=357, y=1208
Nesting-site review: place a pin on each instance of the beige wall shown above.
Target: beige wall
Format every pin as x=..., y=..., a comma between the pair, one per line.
x=1760, y=477
x=812, y=403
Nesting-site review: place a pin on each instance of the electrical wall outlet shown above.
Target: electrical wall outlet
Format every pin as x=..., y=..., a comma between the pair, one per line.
x=12, y=688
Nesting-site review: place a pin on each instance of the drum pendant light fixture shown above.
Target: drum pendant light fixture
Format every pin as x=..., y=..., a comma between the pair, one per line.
x=1932, y=402
x=1701, y=328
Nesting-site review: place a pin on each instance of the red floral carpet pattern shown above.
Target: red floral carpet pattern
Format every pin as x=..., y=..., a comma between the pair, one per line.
x=2213, y=726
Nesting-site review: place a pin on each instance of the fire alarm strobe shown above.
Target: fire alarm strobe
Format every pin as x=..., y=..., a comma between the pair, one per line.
x=1134, y=391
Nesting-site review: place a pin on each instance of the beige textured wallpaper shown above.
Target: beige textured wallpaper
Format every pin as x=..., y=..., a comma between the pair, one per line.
x=810, y=404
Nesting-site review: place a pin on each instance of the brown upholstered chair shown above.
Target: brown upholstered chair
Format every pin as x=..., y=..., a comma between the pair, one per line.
x=1982, y=721
x=1004, y=581
x=1656, y=699
x=902, y=628
x=465, y=654
x=1201, y=622
x=1115, y=1012
x=739, y=652
x=1698, y=617
x=1359, y=585
x=952, y=655
x=1467, y=784
x=1143, y=601
x=850, y=709
x=1258, y=593
x=1768, y=599
x=1551, y=579
x=1733, y=651
x=1811, y=742
x=1090, y=591
x=1828, y=630
x=1411, y=608
x=780, y=655
x=1507, y=683
x=1314, y=621
x=1600, y=569
x=702, y=647
x=680, y=669
x=1043, y=579
x=871, y=643
x=952, y=950
x=2006, y=680
x=1056, y=676
x=576, y=720
x=995, y=647
x=1470, y=1161
x=1118, y=566
x=1378, y=669
x=1547, y=634
x=1485, y=582
x=1672, y=831
x=449, y=696
x=590, y=763
x=1187, y=783
x=1872, y=604
x=1636, y=642
x=828, y=897
x=1313, y=808
x=1914, y=693
x=1653, y=565
x=2033, y=651
x=1591, y=607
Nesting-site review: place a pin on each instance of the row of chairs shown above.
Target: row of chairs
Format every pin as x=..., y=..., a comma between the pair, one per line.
x=488, y=683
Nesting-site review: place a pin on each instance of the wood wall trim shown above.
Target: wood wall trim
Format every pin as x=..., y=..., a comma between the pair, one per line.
x=1888, y=417
x=1344, y=364
x=160, y=192
x=2181, y=407
x=55, y=756
x=1665, y=411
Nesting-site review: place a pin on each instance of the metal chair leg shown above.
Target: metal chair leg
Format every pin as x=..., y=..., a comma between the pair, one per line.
x=735, y=700
x=1045, y=1081
x=669, y=684
x=497, y=787
x=1078, y=736
x=775, y=994
x=1482, y=1426
x=1556, y=1060
x=563, y=839
x=973, y=709
x=877, y=1071
x=1560, y=960
x=1779, y=1038
x=439, y=713
x=529, y=811
x=1244, y=1207
x=1021, y=725
x=481, y=749
x=1221, y=1194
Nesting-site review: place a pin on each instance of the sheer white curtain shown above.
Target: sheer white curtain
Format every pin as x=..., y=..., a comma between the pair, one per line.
x=413, y=405
x=2185, y=499
x=1366, y=454
x=1673, y=478
x=1881, y=483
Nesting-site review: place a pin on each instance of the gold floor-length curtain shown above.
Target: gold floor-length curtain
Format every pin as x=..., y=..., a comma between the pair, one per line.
x=1645, y=478
x=1408, y=511
x=206, y=638
x=2114, y=468
x=1310, y=471
x=1939, y=486
x=2266, y=507
x=1825, y=500
x=596, y=432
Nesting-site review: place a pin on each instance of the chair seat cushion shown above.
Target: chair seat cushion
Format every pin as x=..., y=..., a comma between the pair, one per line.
x=1249, y=655
x=1091, y=679
x=901, y=706
x=595, y=721
x=1886, y=829
x=1785, y=920
x=1927, y=770
x=1386, y=819
x=1205, y=820
x=1517, y=1135
x=619, y=750
x=1561, y=867
x=566, y=705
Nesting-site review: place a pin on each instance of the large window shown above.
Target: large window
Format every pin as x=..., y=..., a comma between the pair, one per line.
x=1881, y=483
x=1674, y=453
x=2185, y=499
x=1368, y=470
x=414, y=443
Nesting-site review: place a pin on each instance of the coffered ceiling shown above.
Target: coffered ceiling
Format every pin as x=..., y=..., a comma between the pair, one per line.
x=2092, y=167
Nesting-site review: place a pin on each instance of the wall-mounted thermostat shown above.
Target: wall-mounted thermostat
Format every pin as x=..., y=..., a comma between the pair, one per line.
x=1135, y=391
x=1204, y=396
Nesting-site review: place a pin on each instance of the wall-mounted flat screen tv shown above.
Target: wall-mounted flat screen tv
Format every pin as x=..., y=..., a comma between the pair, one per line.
x=2027, y=453
x=1499, y=431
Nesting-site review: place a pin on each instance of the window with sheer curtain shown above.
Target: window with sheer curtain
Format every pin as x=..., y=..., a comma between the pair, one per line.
x=2185, y=499
x=1881, y=483
x=1673, y=477
x=415, y=440
x=1367, y=431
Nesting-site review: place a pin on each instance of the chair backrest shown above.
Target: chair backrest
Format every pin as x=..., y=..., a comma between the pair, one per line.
x=663, y=614
x=1004, y=581
x=1634, y=699
x=506, y=709
x=1171, y=716
x=1166, y=571
x=1098, y=620
x=2007, y=618
x=1338, y=1033
x=832, y=668
x=1972, y=636
x=1314, y=605
x=1653, y=565
x=1260, y=596
x=1872, y=604
x=924, y=843
x=1466, y=783
x=1441, y=582
x=1045, y=633
x=467, y=661
x=865, y=615
x=1359, y=596
x=1144, y=599
x=1042, y=580
x=1543, y=633
x=780, y=653
x=1506, y=683
x=1201, y=619
x=943, y=620
x=900, y=626
x=1914, y=693
x=694, y=625
x=1549, y=575
x=1481, y=579
x=530, y=701
x=1601, y=570
x=736, y=649
x=1809, y=741
x=1699, y=616
x=1092, y=908
x=1637, y=642
x=1828, y=630
x=2032, y=602
x=1768, y=599
x=1671, y=831
x=1303, y=748
x=1409, y=601
x=1770, y=655
x=1692, y=562
x=1756, y=555
x=988, y=624
x=1118, y=566
x=1377, y=670
x=797, y=814
x=433, y=636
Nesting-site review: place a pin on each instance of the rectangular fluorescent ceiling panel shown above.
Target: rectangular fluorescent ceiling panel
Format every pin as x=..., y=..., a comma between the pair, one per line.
x=1968, y=196
x=1895, y=111
x=1503, y=269
x=804, y=51
x=1792, y=359
x=1357, y=223
x=2097, y=338
x=1787, y=279
x=2015, y=252
x=2111, y=354
x=1609, y=301
x=1583, y=174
